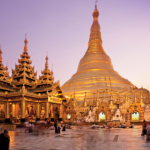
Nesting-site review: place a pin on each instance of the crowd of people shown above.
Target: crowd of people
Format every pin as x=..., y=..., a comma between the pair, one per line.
x=111, y=126
x=60, y=126
x=31, y=126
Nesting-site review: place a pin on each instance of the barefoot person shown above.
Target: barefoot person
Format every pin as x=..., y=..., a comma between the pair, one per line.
x=4, y=140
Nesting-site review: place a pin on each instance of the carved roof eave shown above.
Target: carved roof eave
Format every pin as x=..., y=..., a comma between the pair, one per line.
x=16, y=75
x=41, y=82
x=22, y=81
x=18, y=69
x=47, y=71
x=47, y=77
x=25, y=55
x=23, y=93
x=54, y=86
x=6, y=80
x=51, y=94
x=7, y=89
x=44, y=89
x=24, y=65
x=24, y=60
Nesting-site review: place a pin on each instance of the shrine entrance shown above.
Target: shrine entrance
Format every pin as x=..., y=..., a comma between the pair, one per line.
x=101, y=117
x=103, y=112
x=135, y=113
x=68, y=116
x=135, y=116
x=30, y=110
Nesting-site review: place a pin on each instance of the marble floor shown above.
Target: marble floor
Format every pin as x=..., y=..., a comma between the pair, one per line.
x=80, y=139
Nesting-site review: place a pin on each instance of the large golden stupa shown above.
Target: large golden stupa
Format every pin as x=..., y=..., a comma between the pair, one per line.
x=95, y=70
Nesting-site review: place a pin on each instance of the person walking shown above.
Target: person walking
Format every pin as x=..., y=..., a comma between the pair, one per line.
x=148, y=132
x=4, y=140
x=144, y=131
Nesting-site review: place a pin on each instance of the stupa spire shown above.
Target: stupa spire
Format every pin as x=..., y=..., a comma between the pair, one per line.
x=25, y=46
x=95, y=40
x=0, y=55
x=96, y=12
x=46, y=64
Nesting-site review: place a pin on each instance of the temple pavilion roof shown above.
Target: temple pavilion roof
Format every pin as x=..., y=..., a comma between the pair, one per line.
x=24, y=81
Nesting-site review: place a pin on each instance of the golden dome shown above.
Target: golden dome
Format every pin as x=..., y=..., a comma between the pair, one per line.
x=95, y=70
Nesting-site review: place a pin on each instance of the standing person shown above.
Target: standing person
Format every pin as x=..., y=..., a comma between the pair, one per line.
x=55, y=125
x=48, y=123
x=4, y=140
x=144, y=132
x=148, y=132
x=58, y=128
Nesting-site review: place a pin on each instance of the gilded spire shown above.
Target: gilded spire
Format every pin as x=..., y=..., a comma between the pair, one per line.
x=96, y=12
x=46, y=64
x=0, y=55
x=25, y=46
x=95, y=41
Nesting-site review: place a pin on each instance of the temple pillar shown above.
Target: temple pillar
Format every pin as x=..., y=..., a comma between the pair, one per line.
x=128, y=118
x=60, y=113
x=52, y=113
x=38, y=112
x=47, y=111
x=97, y=117
x=14, y=110
x=141, y=116
x=7, y=119
x=23, y=109
x=108, y=117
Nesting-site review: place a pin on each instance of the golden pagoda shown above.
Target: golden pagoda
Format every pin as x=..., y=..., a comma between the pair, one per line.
x=95, y=70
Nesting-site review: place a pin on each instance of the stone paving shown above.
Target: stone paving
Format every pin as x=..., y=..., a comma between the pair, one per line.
x=84, y=139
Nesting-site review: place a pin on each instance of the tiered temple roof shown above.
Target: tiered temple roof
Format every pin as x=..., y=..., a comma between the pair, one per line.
x=24, y=73
x=5, y=80
x=24, y=80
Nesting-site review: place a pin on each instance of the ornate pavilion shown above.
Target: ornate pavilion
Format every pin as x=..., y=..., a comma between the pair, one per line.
x=23, y=95
x=97, y=85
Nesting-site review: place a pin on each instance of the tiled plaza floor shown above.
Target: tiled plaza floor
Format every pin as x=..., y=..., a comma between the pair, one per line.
x=84, y=139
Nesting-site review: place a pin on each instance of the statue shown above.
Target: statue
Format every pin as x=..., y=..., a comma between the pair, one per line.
x=91, y=116
x=31, y=111
x=42, y=113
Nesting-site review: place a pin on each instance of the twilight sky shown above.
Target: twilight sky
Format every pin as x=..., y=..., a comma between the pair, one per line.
x=62, y=28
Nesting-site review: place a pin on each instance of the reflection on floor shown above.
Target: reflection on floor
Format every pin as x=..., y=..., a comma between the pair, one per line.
x=80, y=139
